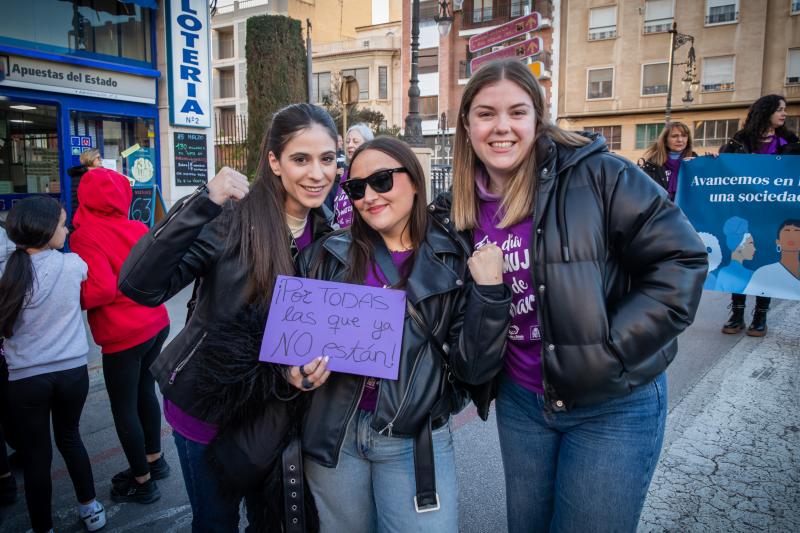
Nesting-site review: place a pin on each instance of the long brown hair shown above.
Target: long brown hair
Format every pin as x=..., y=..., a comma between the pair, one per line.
x=362, y=251
x=260, y=223
x=658, y=152
x=520, y=190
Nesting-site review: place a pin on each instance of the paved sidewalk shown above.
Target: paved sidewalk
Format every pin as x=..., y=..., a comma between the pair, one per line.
x=731, y=459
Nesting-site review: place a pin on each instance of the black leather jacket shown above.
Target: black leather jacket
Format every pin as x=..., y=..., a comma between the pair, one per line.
x=472, y=321
x=188, y=245
x=737, y=145
x=619, y=272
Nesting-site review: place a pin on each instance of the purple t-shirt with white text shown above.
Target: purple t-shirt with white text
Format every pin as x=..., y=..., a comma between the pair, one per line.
x=342, y=205
x=369, y=398
x=523, y=361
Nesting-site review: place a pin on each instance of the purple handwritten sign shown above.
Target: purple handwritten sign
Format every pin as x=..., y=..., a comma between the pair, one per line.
x=360, y=328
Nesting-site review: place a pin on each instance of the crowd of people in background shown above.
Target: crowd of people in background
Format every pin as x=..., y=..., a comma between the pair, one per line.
x=515, y=280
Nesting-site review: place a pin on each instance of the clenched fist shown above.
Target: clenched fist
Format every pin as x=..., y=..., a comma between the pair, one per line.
x=486, y=265
x=227, y=184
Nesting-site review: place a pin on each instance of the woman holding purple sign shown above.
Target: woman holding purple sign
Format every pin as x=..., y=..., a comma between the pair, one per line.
x=764, y=132
x=379, y=452
x=232, y=239
x=605, y=271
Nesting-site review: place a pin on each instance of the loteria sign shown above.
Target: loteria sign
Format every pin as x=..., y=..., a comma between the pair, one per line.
x=520, y=50
x=507, y=31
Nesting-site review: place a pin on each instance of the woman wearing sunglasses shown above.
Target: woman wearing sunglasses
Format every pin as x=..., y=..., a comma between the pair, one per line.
x=362, y=437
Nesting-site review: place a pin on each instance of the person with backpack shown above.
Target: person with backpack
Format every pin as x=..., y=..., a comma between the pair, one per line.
x=46, y=351
x=378, y=452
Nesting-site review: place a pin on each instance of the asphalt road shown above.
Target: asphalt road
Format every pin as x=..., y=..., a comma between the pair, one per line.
x=702, y=349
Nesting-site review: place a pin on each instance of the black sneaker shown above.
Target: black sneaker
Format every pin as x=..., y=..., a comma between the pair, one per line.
x=159, y=469
x=132, y=491
x=8, y=490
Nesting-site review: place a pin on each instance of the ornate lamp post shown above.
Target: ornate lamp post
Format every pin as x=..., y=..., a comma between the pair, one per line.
x=444, y=19
x=689, y=81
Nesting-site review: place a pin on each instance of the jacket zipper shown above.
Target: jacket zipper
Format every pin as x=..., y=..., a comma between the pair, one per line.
x=413, y=374
x=186, y=359
x=176, y=211
x=351, y=414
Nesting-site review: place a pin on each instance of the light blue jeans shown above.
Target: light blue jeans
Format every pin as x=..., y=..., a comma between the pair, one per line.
x=373, y=486
x=586, y=470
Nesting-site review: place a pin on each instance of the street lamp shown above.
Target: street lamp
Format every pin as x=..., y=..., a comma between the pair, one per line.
x=689, y=81
x=444, y=20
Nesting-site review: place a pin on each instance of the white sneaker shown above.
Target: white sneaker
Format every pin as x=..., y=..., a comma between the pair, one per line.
x=96, y=518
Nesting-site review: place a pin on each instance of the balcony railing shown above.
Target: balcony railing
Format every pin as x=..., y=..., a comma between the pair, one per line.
x=658, y=25
x=352, y=45
x=602, y=32
x=718, y=87
x=502, y=11
x=654, y=89
x=792, y=80
x=722, y=17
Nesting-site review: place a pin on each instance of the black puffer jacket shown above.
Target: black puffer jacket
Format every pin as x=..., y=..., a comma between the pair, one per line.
x=618, y=268
x=190, y=244
x=738, y=145
x=471, y=320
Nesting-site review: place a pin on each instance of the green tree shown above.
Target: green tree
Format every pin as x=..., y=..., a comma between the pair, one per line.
x=276, y=75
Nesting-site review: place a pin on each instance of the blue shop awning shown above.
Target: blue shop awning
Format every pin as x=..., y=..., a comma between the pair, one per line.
x=144, y=3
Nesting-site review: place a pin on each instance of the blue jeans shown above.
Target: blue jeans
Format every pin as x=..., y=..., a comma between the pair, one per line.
x=583, y=470
x=373, y=486
x=212, y=511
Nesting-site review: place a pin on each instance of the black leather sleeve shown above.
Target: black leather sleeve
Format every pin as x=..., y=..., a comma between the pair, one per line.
x=478, y=333
x=666, y=261
x=173, y=253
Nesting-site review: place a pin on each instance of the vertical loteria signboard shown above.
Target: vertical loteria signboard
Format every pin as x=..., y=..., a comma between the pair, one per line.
x=189, y=69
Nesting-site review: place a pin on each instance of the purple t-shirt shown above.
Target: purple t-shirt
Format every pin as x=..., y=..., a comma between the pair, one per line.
x=342, y=205
x=193, y=428
x=369, y=397
x=771, y=147
x=524, y=349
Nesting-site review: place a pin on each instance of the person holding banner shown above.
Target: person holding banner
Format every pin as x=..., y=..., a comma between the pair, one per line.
x=764, y=132
x=232, y=239
x=781, y=278
x=606, y=273
x=379, y=452
x=130, y=335
x=662, y=160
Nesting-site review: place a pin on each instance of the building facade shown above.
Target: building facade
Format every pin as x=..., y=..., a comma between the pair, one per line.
x=76, y=76
x=614, y=66
x=445, y=61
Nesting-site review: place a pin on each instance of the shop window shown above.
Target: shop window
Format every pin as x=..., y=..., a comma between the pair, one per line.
x=714, y=132
x=613, y=135
x=362, y=77
x=29, y=161
x=647, y=134
x=105, y=28
x=600, y=84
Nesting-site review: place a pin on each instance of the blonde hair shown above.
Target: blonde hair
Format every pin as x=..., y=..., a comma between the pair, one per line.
x=88, y=157
x=658, y=152
x=518, y=196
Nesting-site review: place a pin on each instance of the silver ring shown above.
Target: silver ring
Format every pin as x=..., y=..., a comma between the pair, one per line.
x=307, y=384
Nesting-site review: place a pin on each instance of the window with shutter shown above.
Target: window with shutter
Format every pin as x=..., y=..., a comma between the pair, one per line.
x=718, y=74
x=602, y=23
x=722, y=11
x=600, y=83
x=793, y=67
x=655, y=78
x=658, y=15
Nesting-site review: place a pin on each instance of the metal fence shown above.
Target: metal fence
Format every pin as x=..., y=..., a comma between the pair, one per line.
x=230, y=141
x=441, y=179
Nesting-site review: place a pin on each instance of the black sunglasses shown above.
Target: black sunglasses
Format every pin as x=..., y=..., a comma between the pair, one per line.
x=380, y=181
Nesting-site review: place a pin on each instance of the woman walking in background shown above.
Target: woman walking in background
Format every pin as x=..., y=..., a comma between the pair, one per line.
x=764, y=132
x=130, y=335
x=357, y=134
x=46, y=351
x=662, y=160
